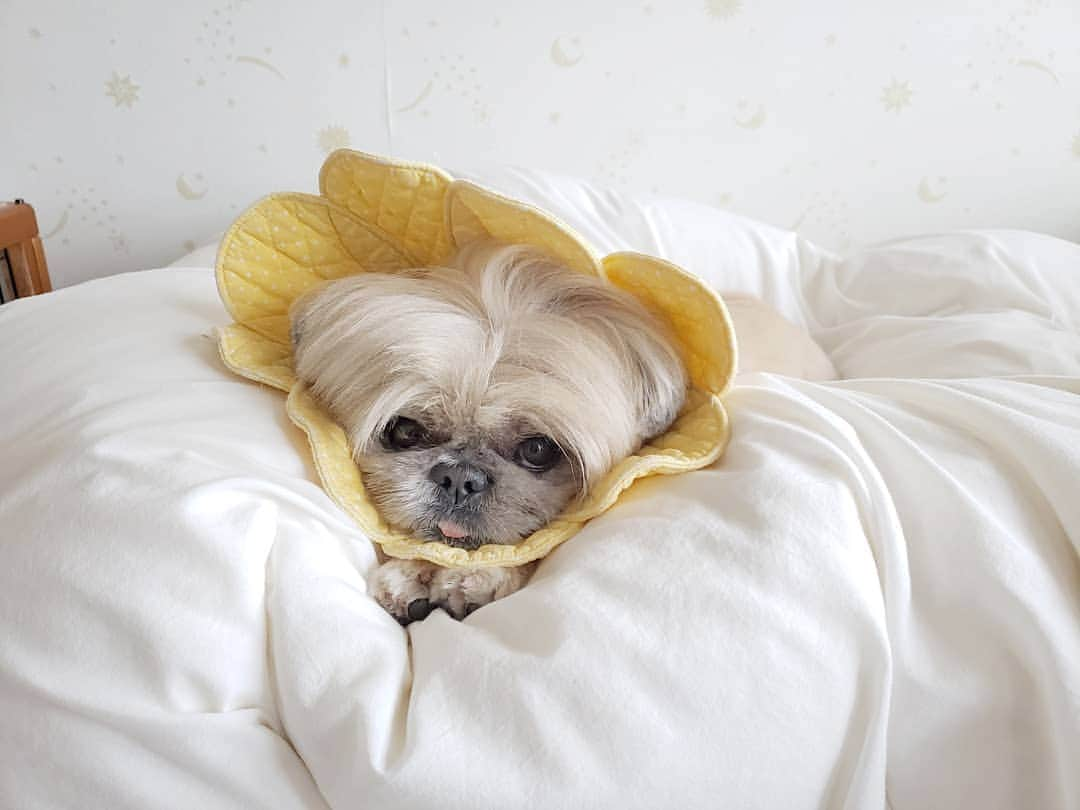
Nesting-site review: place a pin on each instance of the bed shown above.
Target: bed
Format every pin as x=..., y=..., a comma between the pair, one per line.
x=872, y=600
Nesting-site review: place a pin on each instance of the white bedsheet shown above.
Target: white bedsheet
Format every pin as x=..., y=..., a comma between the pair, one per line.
x=874, y=597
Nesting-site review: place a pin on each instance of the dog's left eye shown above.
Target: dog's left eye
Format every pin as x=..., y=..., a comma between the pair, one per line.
x=404, y=434
x=538, y=453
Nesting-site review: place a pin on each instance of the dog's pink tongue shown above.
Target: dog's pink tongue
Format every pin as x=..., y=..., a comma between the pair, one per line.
x=452, y=530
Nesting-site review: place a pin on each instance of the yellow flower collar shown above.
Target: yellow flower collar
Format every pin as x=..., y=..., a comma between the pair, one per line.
x=374, y=214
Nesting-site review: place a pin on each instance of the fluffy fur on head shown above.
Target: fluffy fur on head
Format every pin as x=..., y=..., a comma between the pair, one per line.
x=451, y=381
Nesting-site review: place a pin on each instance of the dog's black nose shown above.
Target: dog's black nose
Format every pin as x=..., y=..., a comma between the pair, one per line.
x=460, y=481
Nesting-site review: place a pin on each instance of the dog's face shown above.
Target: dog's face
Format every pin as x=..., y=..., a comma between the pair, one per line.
x=480, y=399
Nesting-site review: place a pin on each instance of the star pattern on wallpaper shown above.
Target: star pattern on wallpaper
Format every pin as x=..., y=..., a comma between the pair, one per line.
x=448, y=86
x=452, y=76
x=896, y=96
x=723, y=9
x=85, y=210
x=333, y=137
x=226, y=49
x=122, y=89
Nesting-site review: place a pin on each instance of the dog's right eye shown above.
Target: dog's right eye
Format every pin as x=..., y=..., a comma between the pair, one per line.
x=404, y=434
x=538, y=453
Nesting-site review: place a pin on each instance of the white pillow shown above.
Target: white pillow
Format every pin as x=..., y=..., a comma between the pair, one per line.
x=202, y=256
x=728, y=251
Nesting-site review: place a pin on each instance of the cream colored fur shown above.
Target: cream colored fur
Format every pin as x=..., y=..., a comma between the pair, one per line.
x=503, y=336
x=769, y=342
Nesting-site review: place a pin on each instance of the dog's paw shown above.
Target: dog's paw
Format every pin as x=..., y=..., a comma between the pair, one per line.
x=403, y=588
x=460, y=591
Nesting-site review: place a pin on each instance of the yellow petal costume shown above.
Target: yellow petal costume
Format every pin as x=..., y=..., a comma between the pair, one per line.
x=380, y=215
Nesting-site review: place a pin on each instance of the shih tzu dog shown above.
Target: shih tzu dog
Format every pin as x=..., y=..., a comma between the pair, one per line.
x=481, y=398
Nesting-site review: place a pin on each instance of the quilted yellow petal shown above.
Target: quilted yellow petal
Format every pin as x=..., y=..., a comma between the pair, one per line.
x=287, y=243
x=251, y=355
x=382, y=215
x=699, y=317
x=476, y=213
x=406, y=201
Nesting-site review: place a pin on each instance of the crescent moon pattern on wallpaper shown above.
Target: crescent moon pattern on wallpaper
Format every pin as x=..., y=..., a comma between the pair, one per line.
x=187, y=191
x=754, y=121
x=255, y=60
x=567, y=52
x=748, y=105
x=799, y=220
x=1034, y=64
x=927, y=194
x=454, y=84
x=58, y=227
x=416, y=102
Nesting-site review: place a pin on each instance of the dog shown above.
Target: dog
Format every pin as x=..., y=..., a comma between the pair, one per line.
x=482, y=398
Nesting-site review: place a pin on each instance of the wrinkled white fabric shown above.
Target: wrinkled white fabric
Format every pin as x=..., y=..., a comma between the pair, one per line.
x=874, y=597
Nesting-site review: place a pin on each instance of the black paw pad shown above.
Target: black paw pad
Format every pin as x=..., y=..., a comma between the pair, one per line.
x=419, y=609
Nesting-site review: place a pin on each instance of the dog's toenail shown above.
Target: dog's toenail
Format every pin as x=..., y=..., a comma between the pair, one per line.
x=419, y=609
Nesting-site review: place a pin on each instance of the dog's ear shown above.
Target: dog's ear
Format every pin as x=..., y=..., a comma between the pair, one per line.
x=298, y=315
x=662, y=382
x=661, y=376
x=295, y=331
x=644, y=343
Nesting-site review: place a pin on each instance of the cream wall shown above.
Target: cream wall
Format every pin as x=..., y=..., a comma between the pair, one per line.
x=139, y=129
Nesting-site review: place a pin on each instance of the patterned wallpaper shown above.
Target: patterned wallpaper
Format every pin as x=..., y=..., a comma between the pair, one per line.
x=139, y=129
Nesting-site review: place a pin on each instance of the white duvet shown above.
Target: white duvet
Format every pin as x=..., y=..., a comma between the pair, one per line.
x=872, y=600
